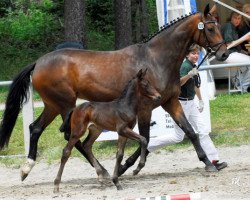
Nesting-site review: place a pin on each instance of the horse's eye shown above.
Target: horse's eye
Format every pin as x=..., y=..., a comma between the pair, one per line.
x=210, y=30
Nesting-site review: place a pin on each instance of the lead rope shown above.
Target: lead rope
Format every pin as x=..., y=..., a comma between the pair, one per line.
x=202, y=61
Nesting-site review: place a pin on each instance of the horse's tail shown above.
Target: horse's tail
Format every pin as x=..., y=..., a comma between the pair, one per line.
x=18, y=94
x=65, y=127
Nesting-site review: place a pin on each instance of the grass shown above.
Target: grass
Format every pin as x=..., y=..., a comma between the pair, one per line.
x=230, y=126
x=4, y=92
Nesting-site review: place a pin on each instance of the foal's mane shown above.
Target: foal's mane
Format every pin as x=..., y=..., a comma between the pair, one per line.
x=166, y=26
x=125, y=90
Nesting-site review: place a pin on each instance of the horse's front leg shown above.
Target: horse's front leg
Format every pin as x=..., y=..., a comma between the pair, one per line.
x=144, y=117
x=174, y=108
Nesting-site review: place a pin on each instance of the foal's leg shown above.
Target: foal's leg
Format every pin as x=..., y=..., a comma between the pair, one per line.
x=65, y=156
x=66, y=128
x=173, y=107
x=144, y=117
x=119, y=156
x=128, y=133
x=36, y=129
x=87, y=144
x=78, y=130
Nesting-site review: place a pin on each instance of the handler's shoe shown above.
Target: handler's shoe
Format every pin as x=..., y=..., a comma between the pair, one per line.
x=219, y=166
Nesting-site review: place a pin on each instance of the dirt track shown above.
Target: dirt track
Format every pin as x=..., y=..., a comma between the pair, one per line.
x=165, y=173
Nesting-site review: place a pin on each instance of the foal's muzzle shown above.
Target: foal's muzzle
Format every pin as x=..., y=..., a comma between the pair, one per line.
x=157, y=98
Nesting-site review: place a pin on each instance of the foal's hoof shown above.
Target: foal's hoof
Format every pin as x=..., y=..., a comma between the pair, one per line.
x=211, y=168
x=136, y=171
x=56, y=189
x=121, y=170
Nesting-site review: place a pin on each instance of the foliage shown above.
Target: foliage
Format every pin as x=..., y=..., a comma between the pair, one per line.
x=153, y=24
x=100, y=15
x=29, y=29
x=5, y=6
x=99, y=41
x=26, y=36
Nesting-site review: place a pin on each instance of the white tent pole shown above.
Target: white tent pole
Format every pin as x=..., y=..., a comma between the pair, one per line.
x=231, y=8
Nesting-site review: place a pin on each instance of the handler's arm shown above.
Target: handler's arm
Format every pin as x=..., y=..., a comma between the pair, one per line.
x=184, y=79
x=198, y=93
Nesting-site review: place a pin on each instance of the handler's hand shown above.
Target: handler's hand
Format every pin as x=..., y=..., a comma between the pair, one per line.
x=193, y=72
x=201, y=106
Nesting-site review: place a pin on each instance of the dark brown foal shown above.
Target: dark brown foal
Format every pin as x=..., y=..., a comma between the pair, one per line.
x=118, y=115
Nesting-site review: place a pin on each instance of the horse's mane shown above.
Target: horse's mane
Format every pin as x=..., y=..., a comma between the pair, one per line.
x=166, y=26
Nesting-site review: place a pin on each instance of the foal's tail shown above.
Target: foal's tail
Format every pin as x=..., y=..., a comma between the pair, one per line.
x=65, y=127
x=18, y=94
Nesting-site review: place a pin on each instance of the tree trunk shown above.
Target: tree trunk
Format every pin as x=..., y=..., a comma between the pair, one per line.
x=74, y=20
x=140, y=28
x=144, y=30
x=123, y=27
x=135, y=20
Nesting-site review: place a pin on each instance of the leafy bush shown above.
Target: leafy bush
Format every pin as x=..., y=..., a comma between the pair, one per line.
x=31, y=28
x=25, y=36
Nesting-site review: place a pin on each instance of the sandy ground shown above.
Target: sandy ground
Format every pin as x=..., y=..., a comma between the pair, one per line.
x=165, y=173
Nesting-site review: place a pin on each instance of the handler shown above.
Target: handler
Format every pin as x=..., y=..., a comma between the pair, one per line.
x=189, y=87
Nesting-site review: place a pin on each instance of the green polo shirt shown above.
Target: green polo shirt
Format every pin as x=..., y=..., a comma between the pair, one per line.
x=229, y=33
x=187, y=90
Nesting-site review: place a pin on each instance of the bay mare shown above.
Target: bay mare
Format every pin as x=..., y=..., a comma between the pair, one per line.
x=62, y=76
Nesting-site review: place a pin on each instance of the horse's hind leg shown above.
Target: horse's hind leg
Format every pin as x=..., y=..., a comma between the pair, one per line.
x=87, y=144
x=144, y=128
x=36, y=129
x=174, y=108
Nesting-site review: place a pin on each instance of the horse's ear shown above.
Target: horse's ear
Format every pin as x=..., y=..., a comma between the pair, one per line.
x=206, y=10
x=213, y=10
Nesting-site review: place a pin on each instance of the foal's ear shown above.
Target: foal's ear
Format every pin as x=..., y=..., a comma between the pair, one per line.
x=144, y=73
x=141, y=73
x=206, y=10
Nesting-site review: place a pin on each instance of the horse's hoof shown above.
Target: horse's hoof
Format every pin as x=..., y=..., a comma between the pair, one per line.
x=23, y=176
x=211, y=168
x=26, y=168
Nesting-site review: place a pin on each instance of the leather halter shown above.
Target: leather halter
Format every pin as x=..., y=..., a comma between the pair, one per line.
x=210, y=48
